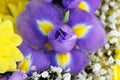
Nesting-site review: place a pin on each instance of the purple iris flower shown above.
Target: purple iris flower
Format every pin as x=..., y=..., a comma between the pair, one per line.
x=41, y=22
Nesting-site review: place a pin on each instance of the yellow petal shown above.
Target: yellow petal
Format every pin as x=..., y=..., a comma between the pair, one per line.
x=116, y=75
x=12, y=65
x=6, y=17
x=13, y=9
x=8, y=49
x=81, y=30
x=21, y=5
x=16, y=39
x=17, y=55
x=63, y=59
x=45, y=26
x=117, y=54
x=6, y=30
x=4, y=66
x=5, y=47
x=0, y=19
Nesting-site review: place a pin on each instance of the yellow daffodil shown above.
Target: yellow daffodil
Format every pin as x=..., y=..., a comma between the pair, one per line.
x=9, y=53
x=116, y=69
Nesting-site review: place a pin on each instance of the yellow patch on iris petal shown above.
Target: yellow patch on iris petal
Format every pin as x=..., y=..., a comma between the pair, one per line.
x=24, y=65
x=81, y=30
x=63, y=59
x=84, y=6
x=45, y=26
x=48, y=46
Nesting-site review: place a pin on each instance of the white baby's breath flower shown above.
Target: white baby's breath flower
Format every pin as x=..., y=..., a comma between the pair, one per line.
x=107, y=46
x=45, y=74
x=34, y=74
x=102, y=78
x=109, y=52
x=67, y=76
x=103, y=71
x=33, y=67
x=96, y=68
x=36, y=78
x=89, y=78
x=111, y=60
x=112, y=3
x=56, y=69
x=81, y=77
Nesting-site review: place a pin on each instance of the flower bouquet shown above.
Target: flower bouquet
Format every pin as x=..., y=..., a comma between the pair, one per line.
x=59, y=40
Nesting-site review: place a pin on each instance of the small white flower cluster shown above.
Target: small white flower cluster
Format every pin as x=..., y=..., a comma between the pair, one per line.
x=58, y=70
x=102, y=62
x=54, y=73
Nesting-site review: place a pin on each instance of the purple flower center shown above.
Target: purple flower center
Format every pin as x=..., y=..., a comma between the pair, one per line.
x=61, y=35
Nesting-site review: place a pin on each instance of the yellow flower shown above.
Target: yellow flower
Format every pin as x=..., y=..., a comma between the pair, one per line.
x=116, y=69
x=9, y=53
x=10, y=9
x=6, y=8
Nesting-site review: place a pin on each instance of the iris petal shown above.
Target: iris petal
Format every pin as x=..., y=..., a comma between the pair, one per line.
x=94, y=36
x=76, y=60
x=18, y=75
x=48, y=0
x=33, y=58
x=89, y=5
x=70, y=4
